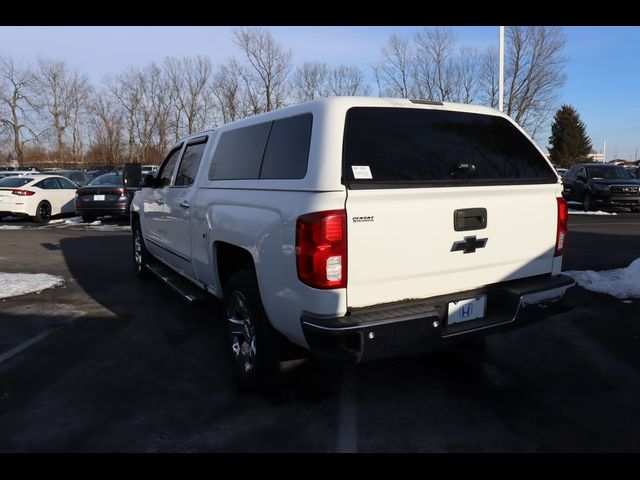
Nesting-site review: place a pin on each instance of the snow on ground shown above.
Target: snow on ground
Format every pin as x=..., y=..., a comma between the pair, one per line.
x=10, y=227
x=620, y=282
x=581, y=212
x=575, y=208
x=14, y=284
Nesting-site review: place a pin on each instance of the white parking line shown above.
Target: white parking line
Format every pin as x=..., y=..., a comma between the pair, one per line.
x=24, y=345
x=348, y=416
x=33, y=340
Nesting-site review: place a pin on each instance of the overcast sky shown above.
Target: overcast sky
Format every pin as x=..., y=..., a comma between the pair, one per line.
x=603, y=69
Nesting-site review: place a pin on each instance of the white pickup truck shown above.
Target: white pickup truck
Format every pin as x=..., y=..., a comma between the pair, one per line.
x=357, y=228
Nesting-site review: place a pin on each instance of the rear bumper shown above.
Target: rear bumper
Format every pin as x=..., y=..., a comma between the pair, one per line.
x=104, y=210
x=422, y=325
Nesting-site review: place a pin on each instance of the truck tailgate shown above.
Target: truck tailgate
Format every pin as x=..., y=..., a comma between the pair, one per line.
x=402, y=242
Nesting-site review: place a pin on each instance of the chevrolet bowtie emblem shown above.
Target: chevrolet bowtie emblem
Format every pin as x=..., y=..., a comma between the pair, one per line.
x=469, y=244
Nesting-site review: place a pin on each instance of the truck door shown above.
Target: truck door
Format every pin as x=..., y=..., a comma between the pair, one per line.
x=177, y=211
x=153, y=227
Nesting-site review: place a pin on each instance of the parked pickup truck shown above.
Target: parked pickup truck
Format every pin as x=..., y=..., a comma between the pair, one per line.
x=357, y=228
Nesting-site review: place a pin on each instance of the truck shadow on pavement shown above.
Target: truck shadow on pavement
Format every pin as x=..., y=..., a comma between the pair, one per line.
x=167, y=326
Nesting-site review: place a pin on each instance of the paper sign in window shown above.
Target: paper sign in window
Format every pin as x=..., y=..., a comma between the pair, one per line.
x=361, y=172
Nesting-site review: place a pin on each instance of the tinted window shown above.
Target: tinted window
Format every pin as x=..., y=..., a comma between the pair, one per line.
x=239, y=153
x=608, y=173
x=14, y=181
x=67, y=183
x=166, y=171
x=287, y=152
x=107, y=179
x=190, y=162
x=48, y=184
x=412, y=147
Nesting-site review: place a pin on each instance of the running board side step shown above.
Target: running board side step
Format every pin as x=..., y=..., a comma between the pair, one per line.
x=183, y=287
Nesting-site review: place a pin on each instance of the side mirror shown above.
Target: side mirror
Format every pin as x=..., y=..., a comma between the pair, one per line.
x=149, y=181
x=131, y=175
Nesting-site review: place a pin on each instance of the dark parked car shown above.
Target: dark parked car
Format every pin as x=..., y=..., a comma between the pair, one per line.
x=597, y=185
x=104, y=195
x=77, y=176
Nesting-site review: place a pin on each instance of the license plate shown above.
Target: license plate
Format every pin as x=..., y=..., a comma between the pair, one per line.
x=468, y=309
x=98, y=197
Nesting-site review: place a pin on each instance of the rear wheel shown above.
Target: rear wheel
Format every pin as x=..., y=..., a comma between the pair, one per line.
x=587, y=203
x=140, y=253
x=251, y=340
x=43, y=212
x=88, y=218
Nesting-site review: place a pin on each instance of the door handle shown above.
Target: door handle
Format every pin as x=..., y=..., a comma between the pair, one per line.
x=184, y=203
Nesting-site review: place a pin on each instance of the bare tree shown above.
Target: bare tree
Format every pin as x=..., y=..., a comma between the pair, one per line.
x=162, y=98
x=52, y=86
x=107, y=122
x=534, y=71
x=348, y=81
x=310, y=81
x=125, y=88
x=266, y=73
x=435, y=70
x=488, y=78
x=17, y=98
x=80, y=91
x=227, y=89
x=467, y=68
x=190, y=80
x=394, y=73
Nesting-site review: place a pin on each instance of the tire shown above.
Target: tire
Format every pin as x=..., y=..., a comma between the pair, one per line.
x=141, y=255
x=635, y=210
x=587, y=204
x=252, y=342
x=88, y=218
x=43, y=212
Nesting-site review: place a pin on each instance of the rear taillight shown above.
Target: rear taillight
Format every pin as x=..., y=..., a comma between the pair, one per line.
x=562, y=231
x=22, y=193
x=321, y=249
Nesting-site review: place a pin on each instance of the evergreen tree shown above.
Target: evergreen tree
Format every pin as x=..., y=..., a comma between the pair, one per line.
x=568, y=143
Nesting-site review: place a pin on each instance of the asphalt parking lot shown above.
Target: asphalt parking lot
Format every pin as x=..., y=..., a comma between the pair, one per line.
x=109, y=363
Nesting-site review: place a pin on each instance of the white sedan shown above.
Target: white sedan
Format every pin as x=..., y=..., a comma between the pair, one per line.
x=39, y=196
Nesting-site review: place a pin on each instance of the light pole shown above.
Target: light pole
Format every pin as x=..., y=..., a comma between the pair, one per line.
x=501, y=73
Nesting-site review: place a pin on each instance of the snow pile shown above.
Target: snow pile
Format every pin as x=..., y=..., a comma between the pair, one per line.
x=73, y=221
x=10, y=227
x=576, y=209
x=582, y=212
x=14, y=284
x=620, y=282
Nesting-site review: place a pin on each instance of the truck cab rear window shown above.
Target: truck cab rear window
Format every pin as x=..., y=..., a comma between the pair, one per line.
x=402, y=147
x=272, y=150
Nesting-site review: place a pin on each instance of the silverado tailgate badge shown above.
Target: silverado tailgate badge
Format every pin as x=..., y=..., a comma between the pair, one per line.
x=469, y=244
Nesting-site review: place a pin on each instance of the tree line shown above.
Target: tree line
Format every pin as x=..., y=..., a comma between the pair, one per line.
x=53, y=115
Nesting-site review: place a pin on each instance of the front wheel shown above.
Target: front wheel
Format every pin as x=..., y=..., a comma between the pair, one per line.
x=43, y=212
x=587, y=203
x=251, y=339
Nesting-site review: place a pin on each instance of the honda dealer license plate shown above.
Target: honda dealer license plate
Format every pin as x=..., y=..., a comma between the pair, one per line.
x=468, y=309
x=98, y=197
